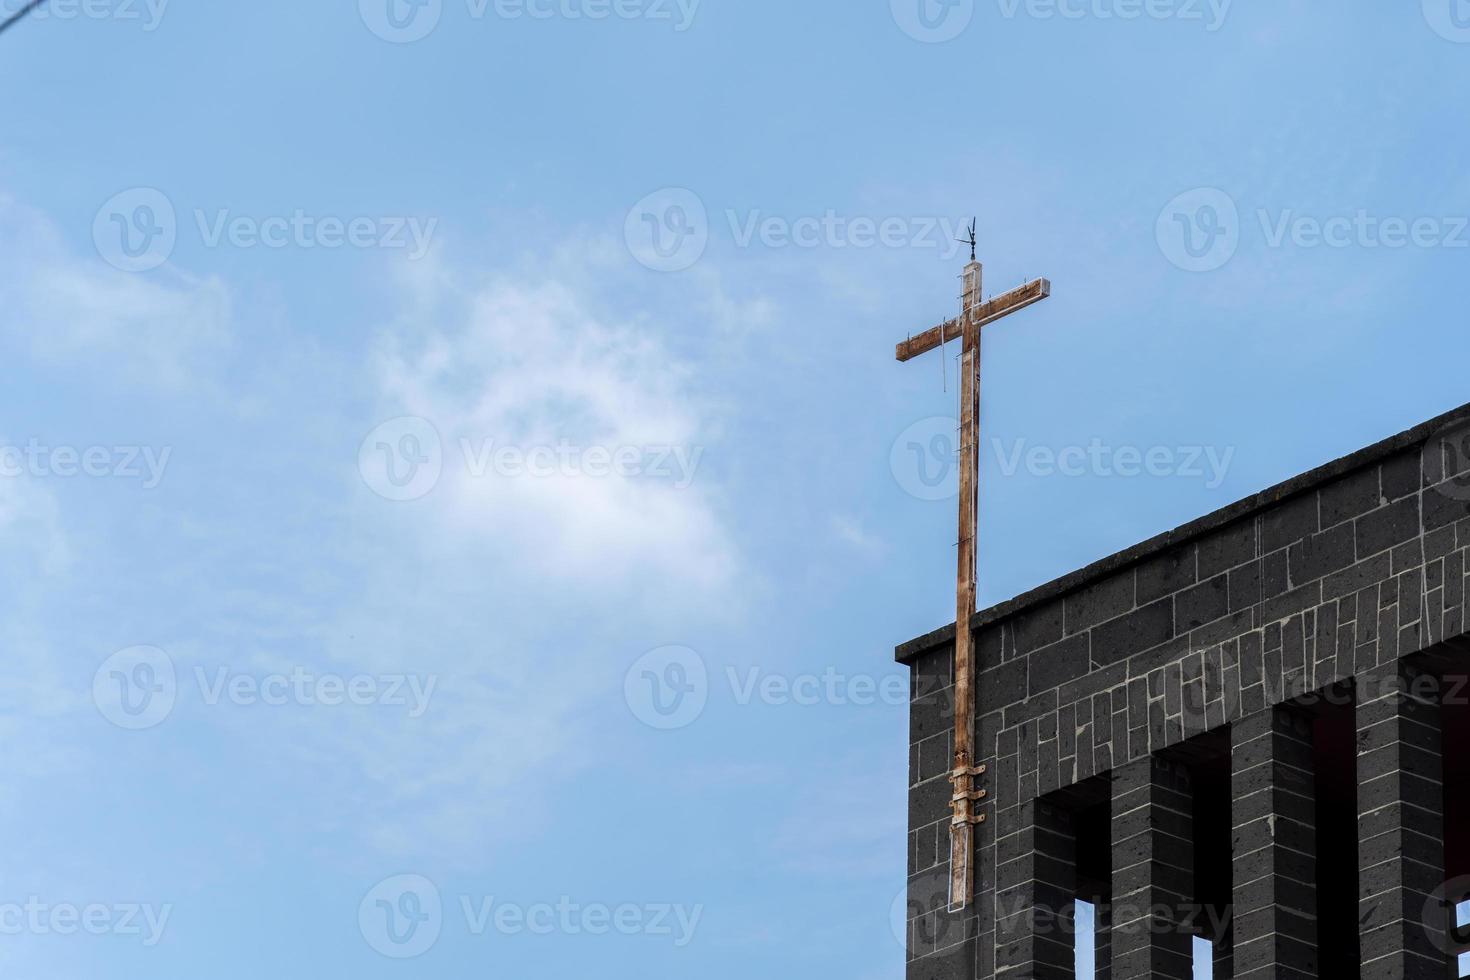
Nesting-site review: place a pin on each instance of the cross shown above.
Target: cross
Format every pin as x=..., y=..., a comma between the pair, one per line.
x=974, y=315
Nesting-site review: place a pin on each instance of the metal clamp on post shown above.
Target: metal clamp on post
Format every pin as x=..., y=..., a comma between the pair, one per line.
x=961, y=777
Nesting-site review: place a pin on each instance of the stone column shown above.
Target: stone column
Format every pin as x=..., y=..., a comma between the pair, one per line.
x=1153, y=871
x=1036, y=894
x=1103, y=948
x=1274, y=862
x=1400, y=825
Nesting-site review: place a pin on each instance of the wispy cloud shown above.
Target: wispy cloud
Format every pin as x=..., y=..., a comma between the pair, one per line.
x=542, y=366
x=851, y=532
x=526, y=593
x=35, y=690
x=70, y=307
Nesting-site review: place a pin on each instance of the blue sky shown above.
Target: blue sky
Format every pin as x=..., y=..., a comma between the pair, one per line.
x=454, y=456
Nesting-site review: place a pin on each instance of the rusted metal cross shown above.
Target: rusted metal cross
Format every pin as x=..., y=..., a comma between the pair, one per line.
x=975, y=315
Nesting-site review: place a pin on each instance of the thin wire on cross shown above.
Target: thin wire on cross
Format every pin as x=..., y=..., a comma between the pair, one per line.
x=16, y=17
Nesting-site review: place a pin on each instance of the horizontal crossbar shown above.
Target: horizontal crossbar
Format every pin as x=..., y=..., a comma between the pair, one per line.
x=988, y=312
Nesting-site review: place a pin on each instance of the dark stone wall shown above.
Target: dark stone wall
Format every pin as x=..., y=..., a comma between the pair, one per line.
x=1339, y=573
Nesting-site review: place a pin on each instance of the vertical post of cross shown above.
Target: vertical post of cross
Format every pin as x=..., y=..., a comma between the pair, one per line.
x=962, y=826
x=966, y=327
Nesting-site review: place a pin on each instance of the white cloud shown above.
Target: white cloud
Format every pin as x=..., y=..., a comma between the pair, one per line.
x=70, y=308
x=524, y=597
x=527, y=596
x=31, y=537
x=35, y=692
x=540, y=368
x=850, y=531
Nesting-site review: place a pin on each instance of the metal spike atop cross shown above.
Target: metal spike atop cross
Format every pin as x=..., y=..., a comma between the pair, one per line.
x=974, y=315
